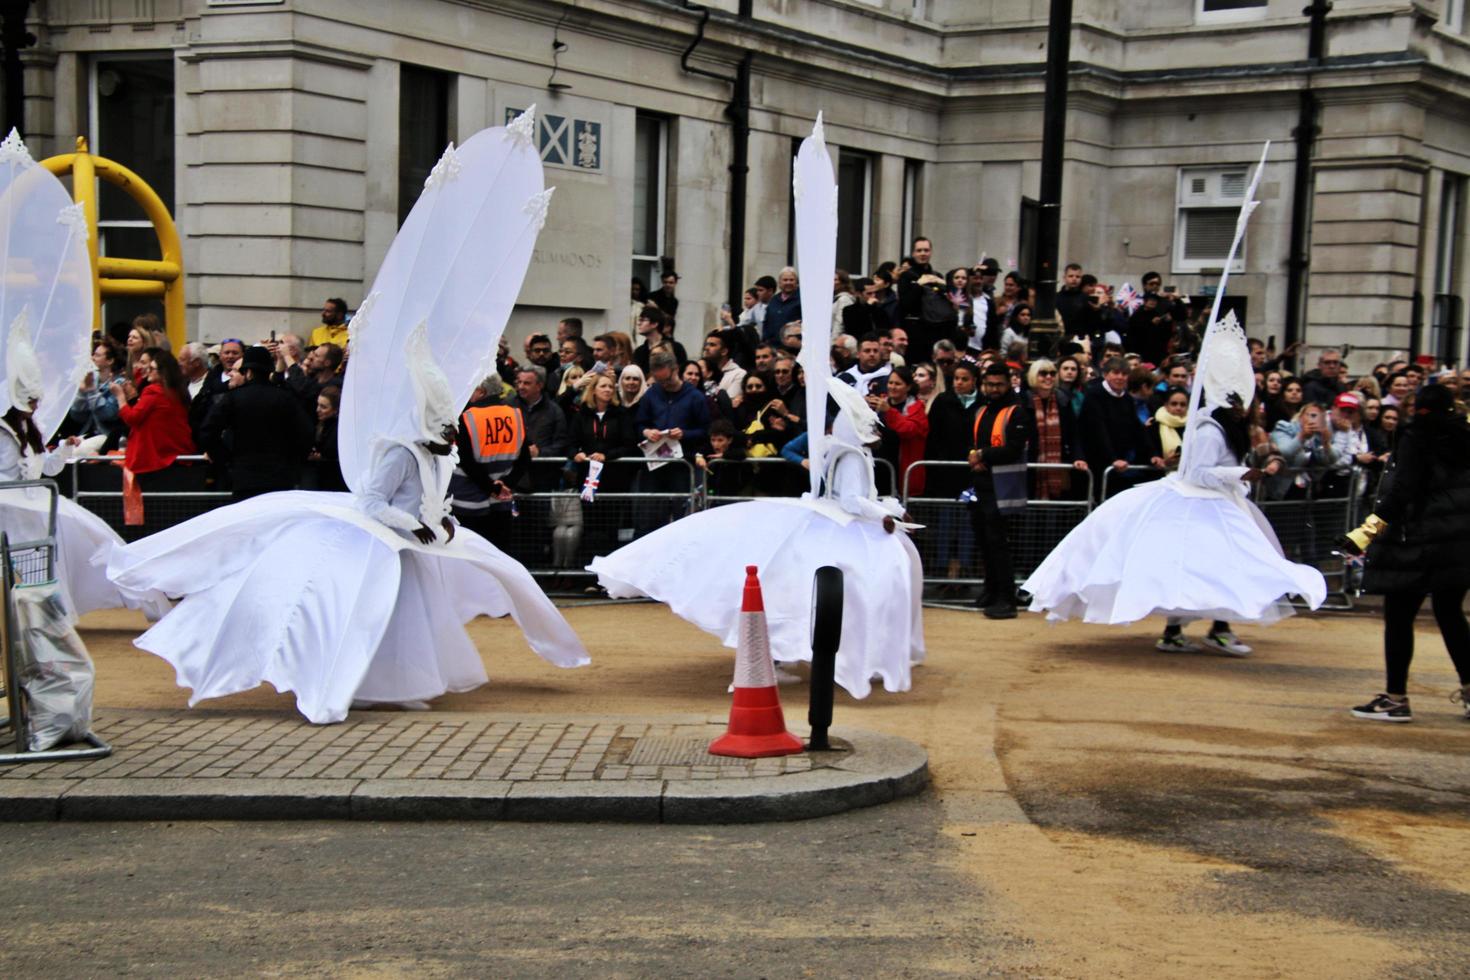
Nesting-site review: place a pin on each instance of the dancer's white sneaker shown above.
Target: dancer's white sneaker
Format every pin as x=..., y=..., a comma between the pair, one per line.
x=1227, y=643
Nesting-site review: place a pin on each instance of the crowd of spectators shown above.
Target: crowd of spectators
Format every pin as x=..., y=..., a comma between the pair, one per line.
x=929, y=348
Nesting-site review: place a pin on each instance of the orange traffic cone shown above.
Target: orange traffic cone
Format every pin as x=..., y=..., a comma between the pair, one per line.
x=757, y=727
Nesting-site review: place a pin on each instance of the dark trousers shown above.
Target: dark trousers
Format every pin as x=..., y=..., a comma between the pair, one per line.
x=652, y=514
x=992, y=540
x=1399, y=611
x=494, y=524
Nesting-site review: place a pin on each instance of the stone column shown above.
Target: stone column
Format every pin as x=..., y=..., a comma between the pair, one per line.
x=276, y=143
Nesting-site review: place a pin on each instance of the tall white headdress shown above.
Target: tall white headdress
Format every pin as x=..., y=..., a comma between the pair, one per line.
x=23, y=379
x=435, y=407
x=45, y=289
x=1224, y=359
x=814, y=190
x=453, y=272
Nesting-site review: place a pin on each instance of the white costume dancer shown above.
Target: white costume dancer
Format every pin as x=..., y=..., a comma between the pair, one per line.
x=362, y=596
x=1191, y=545
x=46, y=298
x=697, y=564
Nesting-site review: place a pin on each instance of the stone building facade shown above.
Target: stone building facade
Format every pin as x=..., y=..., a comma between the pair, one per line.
x=290, y=136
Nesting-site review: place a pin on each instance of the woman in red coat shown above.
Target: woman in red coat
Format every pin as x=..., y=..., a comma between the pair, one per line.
x=906, y=429
x=157, y=420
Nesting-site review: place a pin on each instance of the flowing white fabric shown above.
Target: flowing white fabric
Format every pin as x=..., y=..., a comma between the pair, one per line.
x=305, y=591
x=697, y=566
x=331, y=595
x=80, y=535
x=46, y=314
x=45, y=278
x=456, y=265
x=1191, y=545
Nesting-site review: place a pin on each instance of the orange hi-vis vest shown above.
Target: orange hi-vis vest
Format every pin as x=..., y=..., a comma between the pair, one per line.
x=997, y=434
x=497, y=433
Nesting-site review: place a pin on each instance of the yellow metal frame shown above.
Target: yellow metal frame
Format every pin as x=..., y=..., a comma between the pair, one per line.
x=112, y=276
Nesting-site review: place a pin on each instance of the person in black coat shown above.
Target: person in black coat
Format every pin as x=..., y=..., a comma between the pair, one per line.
x=1002, y=430
x=258, y=431
x=1420, y=546
x=1150, y=329
x=951, y=435
x=603, y=430
x=324, y=455
x=1112, y=435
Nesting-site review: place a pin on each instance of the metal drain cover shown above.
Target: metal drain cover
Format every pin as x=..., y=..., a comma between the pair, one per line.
x=669, y=751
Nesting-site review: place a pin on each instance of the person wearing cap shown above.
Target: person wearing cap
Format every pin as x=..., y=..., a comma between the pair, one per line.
x=754, y=316
x=1151, y=326
x=987, y=321
x=259, y=431
x=1349, y=442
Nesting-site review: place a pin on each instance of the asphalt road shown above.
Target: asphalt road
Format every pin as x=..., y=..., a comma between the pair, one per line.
x=1099, y=809
x=871, y=893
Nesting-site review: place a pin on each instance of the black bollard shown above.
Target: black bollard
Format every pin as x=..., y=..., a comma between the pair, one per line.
x=826, y=636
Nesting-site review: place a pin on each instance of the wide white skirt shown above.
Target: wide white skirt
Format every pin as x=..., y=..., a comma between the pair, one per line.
x=697, y=566
x=81, y=536
x=1163, y=549
x=301, y=590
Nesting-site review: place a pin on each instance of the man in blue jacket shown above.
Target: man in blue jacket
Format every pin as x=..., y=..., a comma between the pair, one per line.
x=671, y=407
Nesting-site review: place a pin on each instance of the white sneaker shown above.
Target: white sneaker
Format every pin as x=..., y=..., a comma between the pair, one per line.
x=1227, y=643
x=1462, y=697
x=784, y=676
x=1175, y=643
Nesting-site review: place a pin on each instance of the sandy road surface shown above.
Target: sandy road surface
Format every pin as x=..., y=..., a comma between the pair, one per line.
x=1123, y=811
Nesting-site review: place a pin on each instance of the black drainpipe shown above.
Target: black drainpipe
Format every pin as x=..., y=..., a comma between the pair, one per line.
x=1301, y=183
x=737, y=110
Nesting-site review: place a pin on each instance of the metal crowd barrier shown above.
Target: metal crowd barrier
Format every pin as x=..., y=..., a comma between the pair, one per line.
x=557, y=534
x=97, y=484
x=946, y=542
x=732, y=481
x=1318, y=507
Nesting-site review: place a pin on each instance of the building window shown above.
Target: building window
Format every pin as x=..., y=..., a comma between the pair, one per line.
x=131, y=106
x=1454, y=15
x=913, y=171
x=1215, y=11
x=854, y=210
x=1208, y=204
x=423, y=130
x=650, y=196
x=1447, y=316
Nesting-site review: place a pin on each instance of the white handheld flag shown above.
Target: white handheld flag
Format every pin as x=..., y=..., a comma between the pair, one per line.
x=1222, y=340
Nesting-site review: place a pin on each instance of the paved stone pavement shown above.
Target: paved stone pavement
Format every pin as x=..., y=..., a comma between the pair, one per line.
x=179, y=764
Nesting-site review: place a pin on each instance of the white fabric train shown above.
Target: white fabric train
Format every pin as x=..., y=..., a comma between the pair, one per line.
x=1190, y=545
x=302, y=590
x=697, y=566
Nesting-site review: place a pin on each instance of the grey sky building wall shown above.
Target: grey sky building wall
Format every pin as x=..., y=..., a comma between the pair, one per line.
x=287, y=128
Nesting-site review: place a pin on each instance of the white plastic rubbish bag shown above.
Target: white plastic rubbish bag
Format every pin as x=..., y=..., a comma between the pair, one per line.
x=55, y=671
